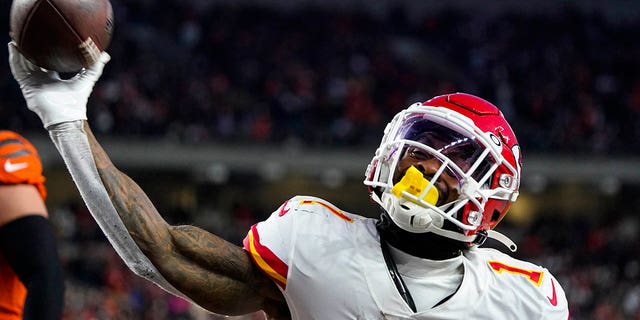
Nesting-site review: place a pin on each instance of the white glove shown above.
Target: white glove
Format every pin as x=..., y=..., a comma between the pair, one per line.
x=53, y=99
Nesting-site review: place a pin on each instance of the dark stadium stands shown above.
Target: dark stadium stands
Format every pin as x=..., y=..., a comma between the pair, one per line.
x=193, y=72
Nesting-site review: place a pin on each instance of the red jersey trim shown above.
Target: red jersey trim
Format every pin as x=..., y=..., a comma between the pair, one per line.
x=265, y=259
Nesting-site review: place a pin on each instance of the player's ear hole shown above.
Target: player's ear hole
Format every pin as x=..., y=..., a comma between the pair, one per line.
x=495, y=216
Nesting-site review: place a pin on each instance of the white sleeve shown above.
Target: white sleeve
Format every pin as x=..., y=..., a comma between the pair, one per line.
x=73, y=145
x=269, y=243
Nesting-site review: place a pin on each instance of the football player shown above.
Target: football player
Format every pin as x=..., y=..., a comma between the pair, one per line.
x=444, y=175
x=31, y=279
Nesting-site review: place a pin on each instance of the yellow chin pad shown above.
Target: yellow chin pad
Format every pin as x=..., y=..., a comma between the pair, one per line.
x=414, y=183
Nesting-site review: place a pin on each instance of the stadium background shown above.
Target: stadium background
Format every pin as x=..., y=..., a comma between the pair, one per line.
x=222, y=110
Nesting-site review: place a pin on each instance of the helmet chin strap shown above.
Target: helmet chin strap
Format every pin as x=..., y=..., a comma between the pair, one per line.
x=502, y=239
x=402, y=213
x=477, y=239
x=402, y=206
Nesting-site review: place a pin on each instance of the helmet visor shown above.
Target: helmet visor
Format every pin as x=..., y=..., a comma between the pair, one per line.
x=450, y=144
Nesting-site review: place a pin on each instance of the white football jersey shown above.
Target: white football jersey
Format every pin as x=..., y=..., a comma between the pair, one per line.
x=329, y=265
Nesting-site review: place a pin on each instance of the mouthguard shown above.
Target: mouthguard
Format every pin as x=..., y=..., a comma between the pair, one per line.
x=414, y=184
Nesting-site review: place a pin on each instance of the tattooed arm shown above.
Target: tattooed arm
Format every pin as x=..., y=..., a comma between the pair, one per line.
x=185, y=261
x=214, y=273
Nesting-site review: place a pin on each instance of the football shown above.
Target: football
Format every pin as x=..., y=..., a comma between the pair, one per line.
x=61, y=35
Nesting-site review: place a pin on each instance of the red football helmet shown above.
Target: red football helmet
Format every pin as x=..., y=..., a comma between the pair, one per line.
x=472, y=144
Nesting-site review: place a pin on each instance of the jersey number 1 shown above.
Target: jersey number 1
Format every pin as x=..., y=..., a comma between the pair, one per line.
x=531, y=275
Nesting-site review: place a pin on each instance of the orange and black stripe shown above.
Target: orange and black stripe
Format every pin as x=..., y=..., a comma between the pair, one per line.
x=15, y=149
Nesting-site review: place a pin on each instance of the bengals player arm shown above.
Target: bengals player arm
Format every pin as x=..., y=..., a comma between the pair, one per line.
x=28, y=245
x=212, y=272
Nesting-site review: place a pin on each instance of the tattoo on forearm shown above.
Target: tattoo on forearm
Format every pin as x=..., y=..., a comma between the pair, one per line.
x=213, y=272
x=135, y=209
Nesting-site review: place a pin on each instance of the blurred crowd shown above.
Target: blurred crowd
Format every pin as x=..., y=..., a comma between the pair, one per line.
x=568, y=82
x=595, y=260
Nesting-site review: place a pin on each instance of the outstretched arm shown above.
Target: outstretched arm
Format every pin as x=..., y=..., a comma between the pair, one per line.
x=213, y=272
x=184, y=260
